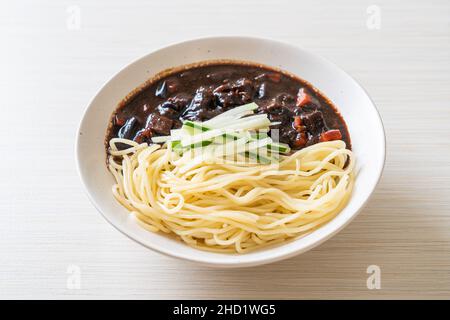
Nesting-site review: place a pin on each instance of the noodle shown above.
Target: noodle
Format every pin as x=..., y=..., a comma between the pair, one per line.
x=231, y=206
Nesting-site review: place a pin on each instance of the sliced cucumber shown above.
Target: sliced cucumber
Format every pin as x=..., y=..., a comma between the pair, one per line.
x=235, y=132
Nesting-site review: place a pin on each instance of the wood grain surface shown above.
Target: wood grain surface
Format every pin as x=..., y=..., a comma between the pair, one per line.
x=55, y=55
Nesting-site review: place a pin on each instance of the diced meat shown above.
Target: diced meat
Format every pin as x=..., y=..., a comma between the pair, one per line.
x=281, y=104
x=331, y=135
x=286, y=133
x=173, y=106
x=300, y=140
x=203, y=98
x=284, y=100
x=312, y=140
x=159, y=124
x=202, y=106
x=303, y=98
x=128, y=129
x=166, y=109
x=298, y=125
x=314, y=122
x=297, y=122
x=119, y=120
x=278, y=110
x=143, y=135
x=234, y=93
x=180, y=101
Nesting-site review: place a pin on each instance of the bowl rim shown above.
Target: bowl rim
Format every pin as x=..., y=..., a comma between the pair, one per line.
x=235, y=263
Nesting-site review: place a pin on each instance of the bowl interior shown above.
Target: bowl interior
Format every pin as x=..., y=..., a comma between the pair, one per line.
x=359, y=112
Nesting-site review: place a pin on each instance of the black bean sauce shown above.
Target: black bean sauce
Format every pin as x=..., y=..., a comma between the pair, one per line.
x=202, y=92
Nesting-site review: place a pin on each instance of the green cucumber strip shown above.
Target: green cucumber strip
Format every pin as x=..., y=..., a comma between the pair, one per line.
x=208, y=135
x=235, y=115
x=280, y=147
x=196, y=126
x=260, y=158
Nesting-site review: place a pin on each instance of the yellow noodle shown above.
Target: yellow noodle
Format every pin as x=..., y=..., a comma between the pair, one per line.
x=232, y=207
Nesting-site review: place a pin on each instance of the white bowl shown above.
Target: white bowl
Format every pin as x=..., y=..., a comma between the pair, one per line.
x=359, y=112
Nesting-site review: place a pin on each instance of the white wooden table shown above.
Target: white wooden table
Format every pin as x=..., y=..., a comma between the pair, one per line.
x=56, y=54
